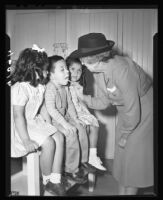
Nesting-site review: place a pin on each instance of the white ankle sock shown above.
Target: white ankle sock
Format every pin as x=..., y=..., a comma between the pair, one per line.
x=55, y=177
x=92, y=151
x=45, y=179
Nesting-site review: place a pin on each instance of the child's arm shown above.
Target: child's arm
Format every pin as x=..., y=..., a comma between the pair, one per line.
x=98, y=103
x=62, y=129
x=50, y=103
x=20, y=123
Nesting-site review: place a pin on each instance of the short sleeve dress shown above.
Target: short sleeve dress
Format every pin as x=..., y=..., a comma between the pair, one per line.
x=24, y=94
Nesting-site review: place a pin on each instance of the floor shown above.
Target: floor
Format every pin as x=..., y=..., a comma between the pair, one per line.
x=106, y=185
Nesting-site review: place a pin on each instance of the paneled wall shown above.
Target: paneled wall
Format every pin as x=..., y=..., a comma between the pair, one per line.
x=131, y=29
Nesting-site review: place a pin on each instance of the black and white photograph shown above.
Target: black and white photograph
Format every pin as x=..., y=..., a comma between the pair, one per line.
x=81, y=106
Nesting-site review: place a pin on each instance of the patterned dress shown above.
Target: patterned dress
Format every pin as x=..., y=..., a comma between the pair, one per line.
x=24, y=94
x=82, y=111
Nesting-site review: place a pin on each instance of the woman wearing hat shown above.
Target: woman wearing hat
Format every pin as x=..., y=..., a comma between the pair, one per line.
x=123, y=83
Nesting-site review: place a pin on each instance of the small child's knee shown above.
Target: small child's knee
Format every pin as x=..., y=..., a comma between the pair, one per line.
x=58, y=137
x=49, y=142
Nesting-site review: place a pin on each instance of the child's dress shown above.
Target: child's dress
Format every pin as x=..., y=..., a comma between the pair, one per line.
x=24, y=94
x=82, y=111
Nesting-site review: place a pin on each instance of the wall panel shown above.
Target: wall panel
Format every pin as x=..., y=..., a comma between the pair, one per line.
x=131, y=29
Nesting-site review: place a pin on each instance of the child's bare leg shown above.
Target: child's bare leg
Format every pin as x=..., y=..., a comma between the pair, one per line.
x=93, y=159
x=58, y=157
x=51, y=168
x=93, y=136
x=47, y=156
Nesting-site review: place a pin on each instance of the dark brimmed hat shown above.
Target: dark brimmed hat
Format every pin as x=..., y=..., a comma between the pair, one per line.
x=91, y=44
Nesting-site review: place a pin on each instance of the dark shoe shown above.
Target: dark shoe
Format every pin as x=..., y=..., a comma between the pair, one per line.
x=55, y=188
x=88, y=168
x=76, y=177
x=65, y=182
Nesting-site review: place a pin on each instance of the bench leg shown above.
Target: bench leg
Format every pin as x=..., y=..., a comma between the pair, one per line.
x=91, y=181
x=33, y=178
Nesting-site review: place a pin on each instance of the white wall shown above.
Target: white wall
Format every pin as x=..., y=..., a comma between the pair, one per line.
x=131, y=29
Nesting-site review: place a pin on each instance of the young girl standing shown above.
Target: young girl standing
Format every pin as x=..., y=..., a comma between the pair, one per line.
x=77, y=82
x=28, y=128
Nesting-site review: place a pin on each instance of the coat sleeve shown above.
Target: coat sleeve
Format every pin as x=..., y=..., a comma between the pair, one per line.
x=127, y=82
x=100, y=100
x=97, y=103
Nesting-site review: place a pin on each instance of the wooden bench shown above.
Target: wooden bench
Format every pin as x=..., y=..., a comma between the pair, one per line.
x=32, y=170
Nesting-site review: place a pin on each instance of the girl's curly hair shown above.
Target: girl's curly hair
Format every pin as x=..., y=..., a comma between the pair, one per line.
x=70, y=61
x=29, y=62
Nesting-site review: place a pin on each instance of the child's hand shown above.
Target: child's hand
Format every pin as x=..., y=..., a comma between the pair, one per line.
x=70, y=129
x=62, y=129
x=78, y=121
x=30, y=145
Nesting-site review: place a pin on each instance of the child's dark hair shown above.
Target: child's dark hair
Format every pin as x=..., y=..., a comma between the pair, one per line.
x=29, y=62
x=70, y=61
x=52, y=60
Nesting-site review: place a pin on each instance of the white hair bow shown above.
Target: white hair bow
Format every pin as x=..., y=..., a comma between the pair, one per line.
x=35, y=47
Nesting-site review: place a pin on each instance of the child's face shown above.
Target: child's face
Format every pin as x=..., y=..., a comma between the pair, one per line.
x=60, y=75
x=75, y=71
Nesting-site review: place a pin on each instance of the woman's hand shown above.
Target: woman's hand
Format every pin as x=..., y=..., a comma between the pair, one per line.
x=30, y=145
x=116, y=97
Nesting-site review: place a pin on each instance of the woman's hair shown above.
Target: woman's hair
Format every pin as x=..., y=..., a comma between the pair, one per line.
x=70, y=61
x=29, y=62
